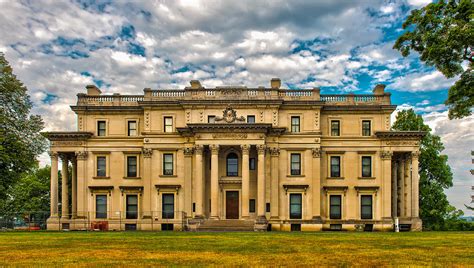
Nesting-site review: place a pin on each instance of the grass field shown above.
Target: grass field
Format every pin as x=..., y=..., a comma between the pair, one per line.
x=175, y=248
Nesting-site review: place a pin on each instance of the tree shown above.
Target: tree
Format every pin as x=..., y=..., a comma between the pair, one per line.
x=443, y=34
x=20, y=140
x=435, y=173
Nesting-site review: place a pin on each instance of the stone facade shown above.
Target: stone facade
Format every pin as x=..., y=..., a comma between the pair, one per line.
x=283, y=159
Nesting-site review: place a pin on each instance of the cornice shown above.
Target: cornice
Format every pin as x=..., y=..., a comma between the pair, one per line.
x=400, y=134
x=67, y=135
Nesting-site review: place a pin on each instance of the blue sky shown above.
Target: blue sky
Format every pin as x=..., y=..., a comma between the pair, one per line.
x=58, y=47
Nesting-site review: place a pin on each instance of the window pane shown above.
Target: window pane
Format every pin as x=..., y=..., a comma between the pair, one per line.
x=101, y=166
x=168, y=164
x=252, y=205
x=132, y=128
x=168, y=124
x=101, y=206
x=366, y=166
x=366, y=207
x=232, y=165
x=252, y=163
x=132, y=207
x=131, y=166
x=295, y=124
x=335, y=206
x=168, y=206
x=251, y=119
x=335, y=166
x=295, y=206
x=335, y=129
x=366, y=128
x=295, y=164
x=100, y=128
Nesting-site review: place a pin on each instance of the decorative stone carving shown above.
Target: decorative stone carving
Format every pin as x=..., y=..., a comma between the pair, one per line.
x=275, y=118
x=229, y=115
x=198, y=148
x=230, y=91
x=81, y=155
x=67, y=143
x=229, y=136
x=147, y=152
x=147, y=121
x=188, y=151
x=214, y=148
x=261, y=148
x=386, y=155
x=408, y=143
x=274, y=151
x=316, y=152
x=245, y=148
x=316, y=120
x=415, y=154
x=53, y=155
x=64, y=157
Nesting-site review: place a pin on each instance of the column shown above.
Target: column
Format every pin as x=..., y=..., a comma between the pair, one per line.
x=400, y=183
x=214, y=181
x=74, y=187
x=147, y=183
x=54, y=185
x=415, y=185
x=394, y=188
x=188, y=168
x=316, y=183
x=198, y=183
x=386, y=157
x=65, y=190
x=407, y=186
x=275, y=185
x=245, y=180
x=81, y=161
x=261, y=182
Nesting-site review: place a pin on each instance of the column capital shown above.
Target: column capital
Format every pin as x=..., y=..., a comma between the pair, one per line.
x=81, y=155
x=214, y=148
x=147, y=152
x=415, y=155
x=316, y=152
x=245, y=148
x=386, y=155
x=53, y=155
x=274, y=151
x=64, y=157
x=198, y=149
x=261, y=148
x=188, y=151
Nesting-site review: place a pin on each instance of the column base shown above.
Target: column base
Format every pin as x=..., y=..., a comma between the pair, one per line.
x=261, y=224
x=417, y=225
x=317, y=219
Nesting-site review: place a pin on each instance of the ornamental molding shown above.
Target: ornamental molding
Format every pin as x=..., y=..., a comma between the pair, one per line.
x=228, y=136
x=245, y=148
x=198, y=148
x=274, y=151
x=147, y=152
x=261, y=148
x=81, y=155
x=229, y=115
x=415, y=155
x=386, y=155
x=214, y=148
x=67, y=143
x=53, y=155
x=228, y=91
x=407, y=143
x=316, y=152
x=188, y=151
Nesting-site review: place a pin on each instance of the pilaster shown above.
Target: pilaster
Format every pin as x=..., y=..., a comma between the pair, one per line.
x=386, y=157
x=214, y=181
x=275, y=182
x=245, y=180
x=316, y=183
x=188, y=168
x=147, y=182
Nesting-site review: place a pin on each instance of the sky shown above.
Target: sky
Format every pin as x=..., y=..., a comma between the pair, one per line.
x=56, y=48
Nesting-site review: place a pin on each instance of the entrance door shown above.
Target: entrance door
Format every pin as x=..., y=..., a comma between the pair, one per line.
x=231, y=204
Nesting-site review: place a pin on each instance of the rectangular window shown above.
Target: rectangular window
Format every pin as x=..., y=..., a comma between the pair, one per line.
x=168, y=206
x=335, y=207
x=132, y=128
x=295, y=206
x=101, y=206
x=366, y=128
x=167, y=164
x=366, y=166
x=252, y=163
x=252, y=205
x=366, y=207
x=335, y=166
x=131, y=207
x=295, y=164
x=211, y=118
x=101, y=125
x=168, y=123
x=131, y=166
x=101, y=166
x=335, y=128
x=267, y=207
x=295, y=124
x=250, y=118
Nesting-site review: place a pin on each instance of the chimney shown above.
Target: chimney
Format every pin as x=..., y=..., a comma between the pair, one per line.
x=379, y=89
x=275, y=83
x=195, y=84
x=92, y=90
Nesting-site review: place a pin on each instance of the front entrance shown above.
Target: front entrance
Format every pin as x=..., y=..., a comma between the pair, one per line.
x=231, y=204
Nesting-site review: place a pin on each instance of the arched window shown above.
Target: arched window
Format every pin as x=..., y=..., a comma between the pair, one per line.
x=232, y=165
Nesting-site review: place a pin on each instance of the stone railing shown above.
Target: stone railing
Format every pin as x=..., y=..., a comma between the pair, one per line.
x=237, y=93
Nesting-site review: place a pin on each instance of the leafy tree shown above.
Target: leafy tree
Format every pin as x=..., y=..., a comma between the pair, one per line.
x=20, y=140
x=443, y=34
x=435, y=173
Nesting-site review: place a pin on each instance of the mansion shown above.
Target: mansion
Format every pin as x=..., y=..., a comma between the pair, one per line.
x=234, y=158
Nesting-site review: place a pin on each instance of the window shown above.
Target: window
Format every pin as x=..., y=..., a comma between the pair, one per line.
x=335, y=128
x=335, y=166
x=267, y=207
x=252, y=163
x=366, y=166
x=132, y=128
x=250, y=118
x=366, y=128
x=101, y=128
x=295, y=164
x=101, y=166
x=167, y=164
x=252, y=205
x=335, y=207
x=295, y=124
x=132, y=207
x=366, y=207
x=168, y=122
x=167, y=206
x=131, y=166
x=295, y=206
x=232, y=165
x=211, y=118
x=101, y=206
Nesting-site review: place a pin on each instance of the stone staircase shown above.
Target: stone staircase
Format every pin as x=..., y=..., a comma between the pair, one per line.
x=225, y=226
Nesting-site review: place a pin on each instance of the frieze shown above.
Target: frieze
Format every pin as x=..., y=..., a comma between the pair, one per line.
x=229, y=136
x=407, y=143
x=67, y=143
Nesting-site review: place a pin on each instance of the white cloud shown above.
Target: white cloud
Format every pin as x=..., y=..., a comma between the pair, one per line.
x=419, y=3
x=416, y=82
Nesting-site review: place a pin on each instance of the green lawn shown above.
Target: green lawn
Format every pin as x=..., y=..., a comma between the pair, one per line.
x=273, y=248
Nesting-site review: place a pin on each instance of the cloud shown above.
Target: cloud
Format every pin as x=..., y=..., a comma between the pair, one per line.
x=419, y=3
x=422, y=82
